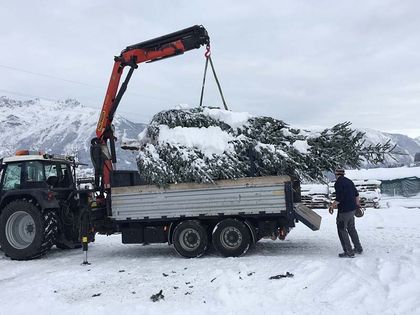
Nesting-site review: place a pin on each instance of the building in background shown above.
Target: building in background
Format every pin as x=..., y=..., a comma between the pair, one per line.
x=398, y=181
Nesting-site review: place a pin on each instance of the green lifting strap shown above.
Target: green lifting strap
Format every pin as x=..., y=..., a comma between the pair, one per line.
x=208, y=58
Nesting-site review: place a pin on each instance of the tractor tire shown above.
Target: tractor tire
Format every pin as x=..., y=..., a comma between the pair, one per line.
x=231, y=238
x=26, y=232
x=190, y=239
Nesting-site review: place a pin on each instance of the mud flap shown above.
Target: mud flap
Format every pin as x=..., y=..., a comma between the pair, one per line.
x=307, y=216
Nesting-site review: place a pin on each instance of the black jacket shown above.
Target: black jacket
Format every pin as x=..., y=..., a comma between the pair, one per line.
x=346, y=194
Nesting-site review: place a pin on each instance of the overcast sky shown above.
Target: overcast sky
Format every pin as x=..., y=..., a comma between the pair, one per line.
x=309, y=63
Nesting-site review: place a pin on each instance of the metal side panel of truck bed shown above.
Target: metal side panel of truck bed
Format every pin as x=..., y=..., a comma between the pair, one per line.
x=244, y=196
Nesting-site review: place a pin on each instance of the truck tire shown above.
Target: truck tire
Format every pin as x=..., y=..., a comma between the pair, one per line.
x=231, y=238
x=190, y=239
x=26, y=232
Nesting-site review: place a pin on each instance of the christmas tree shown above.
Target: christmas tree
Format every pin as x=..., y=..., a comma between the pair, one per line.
x=206, y=144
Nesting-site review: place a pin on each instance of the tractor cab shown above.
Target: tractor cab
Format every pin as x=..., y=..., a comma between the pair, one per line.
x=29, y=170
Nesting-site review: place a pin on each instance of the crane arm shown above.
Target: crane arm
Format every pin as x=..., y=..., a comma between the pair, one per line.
x=152, y=50
x=148, y=51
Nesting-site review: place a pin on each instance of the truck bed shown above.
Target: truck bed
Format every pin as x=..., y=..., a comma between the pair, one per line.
x=244, y=196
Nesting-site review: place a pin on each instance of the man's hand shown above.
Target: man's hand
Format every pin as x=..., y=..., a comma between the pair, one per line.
x=332, y=206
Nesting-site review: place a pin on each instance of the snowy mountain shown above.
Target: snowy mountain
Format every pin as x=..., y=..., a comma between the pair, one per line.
x=58, y=127
x=405, y=145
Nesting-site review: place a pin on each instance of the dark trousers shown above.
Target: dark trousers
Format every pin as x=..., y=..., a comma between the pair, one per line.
x=346, y=227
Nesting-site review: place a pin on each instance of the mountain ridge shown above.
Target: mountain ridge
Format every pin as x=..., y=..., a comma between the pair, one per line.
x=64, y=127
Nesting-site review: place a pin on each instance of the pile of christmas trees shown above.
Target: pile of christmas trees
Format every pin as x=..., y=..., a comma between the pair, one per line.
x=205, y=144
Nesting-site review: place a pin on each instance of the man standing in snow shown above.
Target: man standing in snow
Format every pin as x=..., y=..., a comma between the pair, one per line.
x=346, y=201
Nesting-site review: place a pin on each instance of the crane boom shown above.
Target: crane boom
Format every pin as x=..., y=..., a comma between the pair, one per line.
x=156, y=49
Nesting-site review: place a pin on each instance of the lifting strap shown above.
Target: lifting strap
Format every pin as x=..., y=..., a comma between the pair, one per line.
x=208, y=58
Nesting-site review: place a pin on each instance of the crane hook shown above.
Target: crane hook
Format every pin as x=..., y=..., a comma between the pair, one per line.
x=208, y=52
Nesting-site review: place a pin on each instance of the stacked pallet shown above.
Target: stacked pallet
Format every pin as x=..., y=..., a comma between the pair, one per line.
x=315, y=196
x=369, y=192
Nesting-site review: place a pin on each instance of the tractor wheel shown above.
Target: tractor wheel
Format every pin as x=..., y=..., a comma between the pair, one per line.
x=26, y=232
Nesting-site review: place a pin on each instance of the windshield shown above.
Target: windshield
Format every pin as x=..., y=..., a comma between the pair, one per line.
x=12, y=176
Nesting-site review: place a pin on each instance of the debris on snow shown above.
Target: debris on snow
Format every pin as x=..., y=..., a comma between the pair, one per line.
x=158, y=296
x=287, y=275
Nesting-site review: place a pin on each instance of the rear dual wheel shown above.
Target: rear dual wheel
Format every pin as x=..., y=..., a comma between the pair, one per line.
x=231, y=238
x=190, y=239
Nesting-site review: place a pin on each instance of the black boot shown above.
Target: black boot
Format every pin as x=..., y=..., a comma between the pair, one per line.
x=346, y=255
x=358, y=250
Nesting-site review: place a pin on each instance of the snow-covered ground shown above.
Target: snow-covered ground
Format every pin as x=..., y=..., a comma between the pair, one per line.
x=385, y=279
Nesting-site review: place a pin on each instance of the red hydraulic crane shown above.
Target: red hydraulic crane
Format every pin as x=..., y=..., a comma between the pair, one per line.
x=103, y=155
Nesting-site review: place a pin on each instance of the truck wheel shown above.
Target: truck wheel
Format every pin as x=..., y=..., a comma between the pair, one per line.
x=190, y=239
x=25, y=231
x=231, y=238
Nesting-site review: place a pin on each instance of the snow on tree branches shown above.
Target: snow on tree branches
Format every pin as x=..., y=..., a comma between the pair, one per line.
x=205, y=144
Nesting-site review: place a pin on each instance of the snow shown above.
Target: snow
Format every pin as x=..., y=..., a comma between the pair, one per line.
x=367, y=182
x=383, y=280
x=211, y=140
x=384, y=173
x=391, y=202
x=233, y=119
x=302, y=146
x=309, y=189
x=182, y=106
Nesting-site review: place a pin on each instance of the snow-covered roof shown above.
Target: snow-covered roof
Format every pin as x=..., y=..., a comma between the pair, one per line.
x=384, y=173
x=367, y=182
